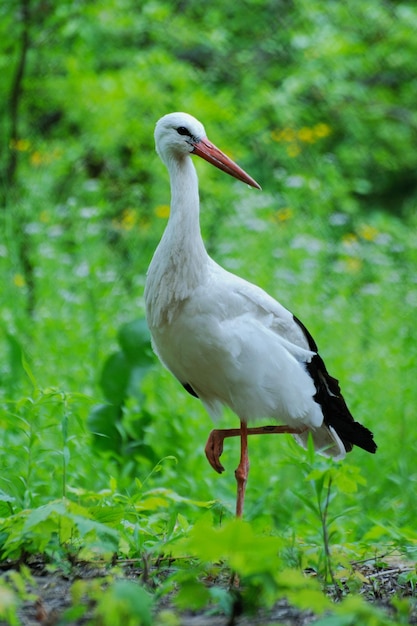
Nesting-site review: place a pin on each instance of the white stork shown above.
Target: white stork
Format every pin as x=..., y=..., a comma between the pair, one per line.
x=226, y=340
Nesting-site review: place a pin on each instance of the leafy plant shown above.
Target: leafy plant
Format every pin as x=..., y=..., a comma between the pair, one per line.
x=56, y=529
x=255, y=561
x=328, y=480
x=116, y=602
x=13, y=591
x=119, y=427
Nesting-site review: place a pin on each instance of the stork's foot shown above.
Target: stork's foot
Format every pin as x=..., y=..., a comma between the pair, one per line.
x=214, y=449
x=214, y=446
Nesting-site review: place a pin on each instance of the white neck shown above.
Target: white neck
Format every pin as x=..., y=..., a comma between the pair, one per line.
x=183, y=227
x=180, y=260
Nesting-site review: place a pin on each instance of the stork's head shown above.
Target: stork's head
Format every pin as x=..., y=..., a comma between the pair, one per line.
x=179, y=134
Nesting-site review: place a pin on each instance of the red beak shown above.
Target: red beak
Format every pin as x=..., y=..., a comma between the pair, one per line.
x=207, y=151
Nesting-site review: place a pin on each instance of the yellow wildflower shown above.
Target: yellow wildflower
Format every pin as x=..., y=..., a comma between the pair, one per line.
x=21, y=145
x=285, y=134
x=129, y=219
x=284, y=214
x=162, y=211
x=369, y=233
x=350, y=239
x=36, y=158
x=353, y=264
x=306, y=134
x=321, y=130
x=19, y=280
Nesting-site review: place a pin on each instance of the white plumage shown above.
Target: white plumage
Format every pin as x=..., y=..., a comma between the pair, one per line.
x=226, y=340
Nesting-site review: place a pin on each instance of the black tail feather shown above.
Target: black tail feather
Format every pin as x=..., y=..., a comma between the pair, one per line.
x=333, y=405
x=335, y=410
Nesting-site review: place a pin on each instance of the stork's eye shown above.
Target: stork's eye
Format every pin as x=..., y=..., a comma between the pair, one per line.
x=181, y=130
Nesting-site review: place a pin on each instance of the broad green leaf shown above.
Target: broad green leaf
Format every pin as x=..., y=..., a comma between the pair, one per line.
x=115, y=378
x=103, y=424
x=124, y=603
x=134, y=339
x=193, y=595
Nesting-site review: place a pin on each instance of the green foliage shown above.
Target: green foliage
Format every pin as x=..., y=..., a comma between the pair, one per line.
x=54, y=529
x=263, y=577
x=124, y=370
x=354, y=610
x=328, y=480
x=120, y=426
x=38, y=424
x=100, y=523
x=124, y=602
x=104, y=454
x=255, y=561
x=116, y=602
x=316, y=106
x=8, y=605
x=13, y=591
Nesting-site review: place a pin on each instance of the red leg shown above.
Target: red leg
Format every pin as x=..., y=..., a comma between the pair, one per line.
x=242, y=470
x=214, y=445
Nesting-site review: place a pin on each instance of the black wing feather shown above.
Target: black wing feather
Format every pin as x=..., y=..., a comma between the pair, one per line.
x=333, y=405
x=190, y=390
